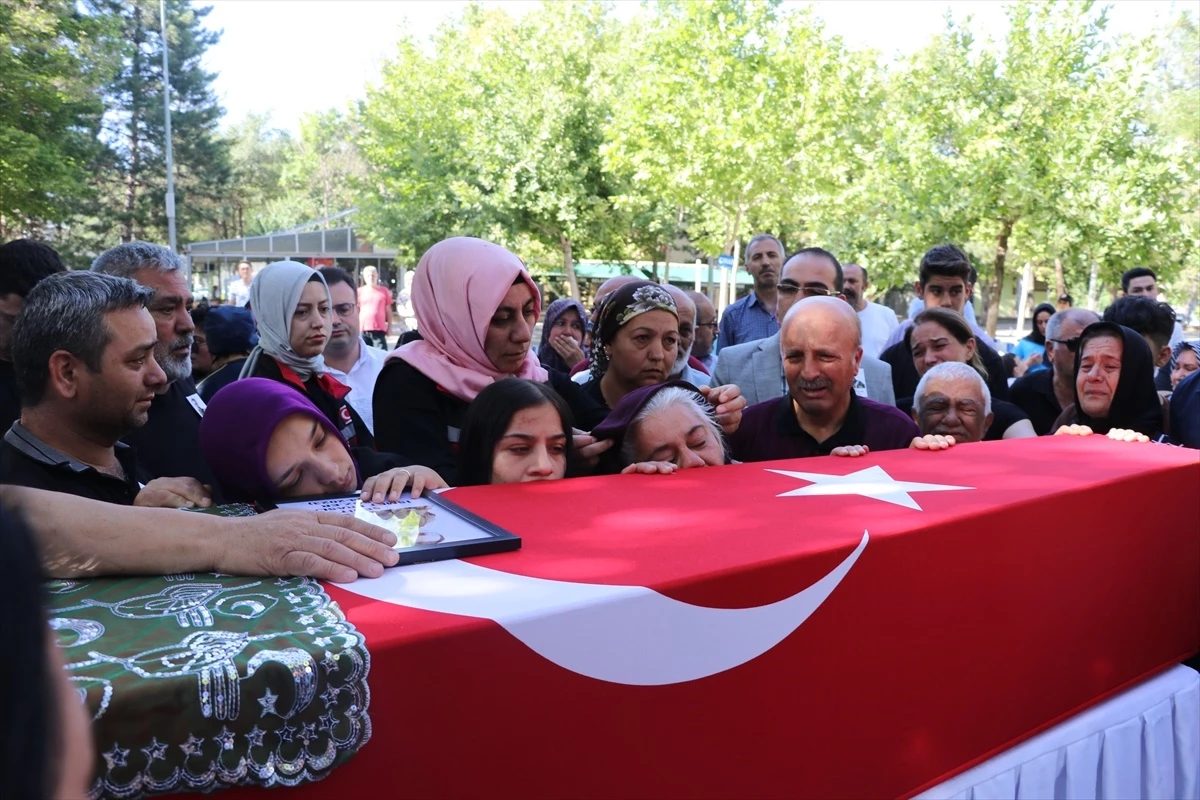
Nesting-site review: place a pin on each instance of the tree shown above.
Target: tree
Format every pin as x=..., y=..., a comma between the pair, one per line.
x=50, y=71
x=733, y=110
x=258, y=155
x=136, y=131
x=1035, y=149
x=323, y=165
x=496, y=134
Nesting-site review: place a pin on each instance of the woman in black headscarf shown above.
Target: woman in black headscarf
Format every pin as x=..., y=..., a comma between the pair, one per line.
x=1114, y=386
x=1031, y=351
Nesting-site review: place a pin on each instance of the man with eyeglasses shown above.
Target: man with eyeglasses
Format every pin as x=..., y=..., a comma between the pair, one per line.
x=347, y=356
x=703, y=345
x=1045, y=393
x=757, y=367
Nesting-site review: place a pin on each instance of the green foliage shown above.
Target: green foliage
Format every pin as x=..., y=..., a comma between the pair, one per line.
x=503, y=141
x=566, y=133
x=49, y=111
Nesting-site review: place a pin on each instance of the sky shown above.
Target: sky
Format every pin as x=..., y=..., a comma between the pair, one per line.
x=289, y=57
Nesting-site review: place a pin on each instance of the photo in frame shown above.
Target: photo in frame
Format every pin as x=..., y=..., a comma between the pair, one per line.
x=428, y=528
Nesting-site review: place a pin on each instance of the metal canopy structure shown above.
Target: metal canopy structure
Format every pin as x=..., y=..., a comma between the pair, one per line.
x=213, y=262
x=338, y=243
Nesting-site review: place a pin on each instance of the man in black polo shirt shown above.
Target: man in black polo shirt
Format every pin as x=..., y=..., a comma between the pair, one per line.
x=169, y=443
x=23, y=262
x=1045, y=393
x=821, y=343
x=83, y=356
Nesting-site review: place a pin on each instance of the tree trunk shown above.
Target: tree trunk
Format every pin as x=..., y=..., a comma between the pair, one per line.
x=993, y=311
x=135, y=141
x=569, y=266
x=1060, y=283
x=735, y=251
x=1024, y=294
x=1094, y=286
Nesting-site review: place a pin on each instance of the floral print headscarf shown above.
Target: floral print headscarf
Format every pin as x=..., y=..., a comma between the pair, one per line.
x=618, y=309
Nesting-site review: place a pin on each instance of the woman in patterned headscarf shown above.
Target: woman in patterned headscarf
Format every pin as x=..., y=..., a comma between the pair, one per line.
x=635, y=342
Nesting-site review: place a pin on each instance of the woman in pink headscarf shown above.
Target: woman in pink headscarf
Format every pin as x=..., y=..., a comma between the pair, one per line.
x=476, y=309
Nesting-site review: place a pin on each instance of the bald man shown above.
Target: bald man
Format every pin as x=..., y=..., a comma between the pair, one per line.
x=703, y=346
x=821, y=346
x=687, y=336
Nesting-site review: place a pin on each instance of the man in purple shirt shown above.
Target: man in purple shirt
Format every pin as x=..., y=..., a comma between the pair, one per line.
x=821, y=343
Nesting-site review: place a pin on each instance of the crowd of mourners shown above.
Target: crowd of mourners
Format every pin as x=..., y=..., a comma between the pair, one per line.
x=123, y=400
x=115, y=386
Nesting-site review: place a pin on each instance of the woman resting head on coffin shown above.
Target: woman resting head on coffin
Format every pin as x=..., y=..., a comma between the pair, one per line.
x=266, y=441
x=476, y=308
x=662, y=428
x=1114, y=387
x=517, y=431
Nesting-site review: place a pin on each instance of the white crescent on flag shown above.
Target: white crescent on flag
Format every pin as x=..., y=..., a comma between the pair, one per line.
x=620, y=634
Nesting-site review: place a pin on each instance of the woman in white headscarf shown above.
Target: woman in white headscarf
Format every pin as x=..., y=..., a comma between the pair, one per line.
x=291, y=306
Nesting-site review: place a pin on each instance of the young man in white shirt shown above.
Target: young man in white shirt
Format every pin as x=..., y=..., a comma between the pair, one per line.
x=239, y=287
x=878, y=321
x=347, y=356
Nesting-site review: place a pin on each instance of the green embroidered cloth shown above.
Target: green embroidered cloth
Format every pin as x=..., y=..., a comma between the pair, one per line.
x=199, y=682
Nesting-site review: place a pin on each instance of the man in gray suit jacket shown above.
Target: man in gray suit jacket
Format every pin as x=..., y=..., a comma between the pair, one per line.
x=757, y=367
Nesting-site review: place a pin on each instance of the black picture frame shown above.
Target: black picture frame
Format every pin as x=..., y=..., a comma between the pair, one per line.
x=491, y=539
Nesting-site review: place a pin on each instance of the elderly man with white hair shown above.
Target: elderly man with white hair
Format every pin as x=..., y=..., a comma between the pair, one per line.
x=952, y=403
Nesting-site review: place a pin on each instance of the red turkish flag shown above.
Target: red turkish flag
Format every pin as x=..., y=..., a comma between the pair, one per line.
x=1002, y=587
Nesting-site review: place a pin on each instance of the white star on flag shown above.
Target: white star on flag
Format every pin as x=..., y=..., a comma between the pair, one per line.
x=870, y=482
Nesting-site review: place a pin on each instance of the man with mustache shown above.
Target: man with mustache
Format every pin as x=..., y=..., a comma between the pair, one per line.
x=821, y=345
x=83, y=356
x=757, y=367
x=878, y=321
x=682, y=370
x=168, y=445
x=347, y=356
x=753, y=317
x=953, y=400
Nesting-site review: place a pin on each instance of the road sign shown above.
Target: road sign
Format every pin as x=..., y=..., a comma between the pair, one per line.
x=725, y=262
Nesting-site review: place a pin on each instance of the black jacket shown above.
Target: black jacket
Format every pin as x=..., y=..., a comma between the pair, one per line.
x=415, y=416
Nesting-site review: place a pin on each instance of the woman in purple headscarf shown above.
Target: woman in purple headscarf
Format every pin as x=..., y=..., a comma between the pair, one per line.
x=664, y=427
x=264, y=441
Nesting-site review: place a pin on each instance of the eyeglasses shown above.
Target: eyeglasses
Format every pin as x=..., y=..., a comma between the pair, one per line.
x=1071, y=344
x=712, y=324
x=344, y=309
x=808, y=289
x=197, y=343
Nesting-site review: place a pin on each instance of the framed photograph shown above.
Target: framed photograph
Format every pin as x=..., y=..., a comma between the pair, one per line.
x=428, y=528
